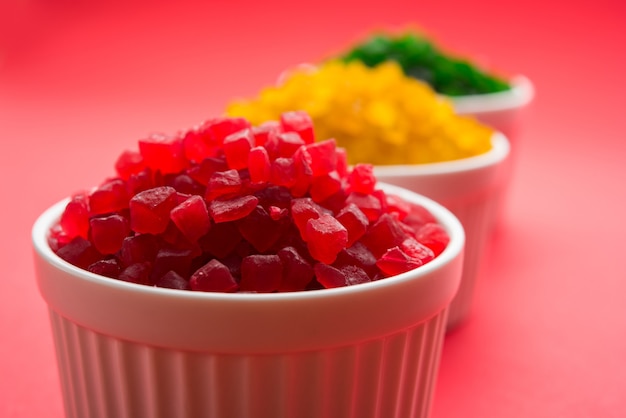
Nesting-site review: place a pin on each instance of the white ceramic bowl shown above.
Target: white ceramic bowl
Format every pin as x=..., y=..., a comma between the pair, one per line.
x=502, y=110
x=366, y=351
x=470, y=188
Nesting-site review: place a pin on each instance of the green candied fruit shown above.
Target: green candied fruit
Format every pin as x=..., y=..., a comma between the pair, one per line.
x=422, y=59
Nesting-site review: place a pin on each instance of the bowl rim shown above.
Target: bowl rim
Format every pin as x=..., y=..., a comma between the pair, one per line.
x=500, y=149
x=520, y=94
x=42, y=225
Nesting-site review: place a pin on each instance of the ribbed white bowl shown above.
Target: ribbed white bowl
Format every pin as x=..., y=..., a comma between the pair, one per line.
x=365, y=351
x=471, y=189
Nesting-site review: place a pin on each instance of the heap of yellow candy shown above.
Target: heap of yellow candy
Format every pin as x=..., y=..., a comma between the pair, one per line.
x=378, y=114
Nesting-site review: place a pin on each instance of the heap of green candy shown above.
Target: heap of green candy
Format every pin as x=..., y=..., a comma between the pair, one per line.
x=420, y=58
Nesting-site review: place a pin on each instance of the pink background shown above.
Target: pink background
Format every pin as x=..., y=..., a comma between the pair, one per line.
x=80, y=81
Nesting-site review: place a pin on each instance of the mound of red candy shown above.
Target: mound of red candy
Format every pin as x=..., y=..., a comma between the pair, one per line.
x=230, y=207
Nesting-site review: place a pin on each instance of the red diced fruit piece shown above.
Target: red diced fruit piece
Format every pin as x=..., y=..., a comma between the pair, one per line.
x=262, y=131
x=358, y=255
x=138, y=248
x=354, y=220
x=303, y=172
x=396, y=205
x=213, y=277
x=297, y=271
x=219, y=128
x=232, y=209
x=342, y=161
x=370, y=205
x=384, y=234
x=325, y=238
x=433, y=236
x=395, y=261
x=75, y=218
x=108, y=233
x=108, y=267
x=139, y=182
x=261, y=273
x=221, y=240
x=79, y=252
x=259, y=165
x=324, y=186
x=282, y=172
x=418, y=217
x=300, y=122
x=203, y=172
x=191, y=217
x=288, y=143
x=331, y=277
x=163, y=153
x=303, y=209
x=259, y=229
x=236, y=148
x=175, y=259
x=172, y=280
x=355, y=275
x=323, y=156
x=416, y=250
x=129, y=163
x=150, y=209
x=109, y=197
x=362, y=178
x=137, y=273
x=223, y=183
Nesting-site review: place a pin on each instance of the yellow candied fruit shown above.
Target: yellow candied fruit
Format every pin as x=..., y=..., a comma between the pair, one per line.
x=378, y=114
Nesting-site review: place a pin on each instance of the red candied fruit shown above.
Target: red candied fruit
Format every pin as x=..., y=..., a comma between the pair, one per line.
x=237, y=147
x=384, y=234
x=297, y=271
x=232, y=209
x=108, y=233
x=433, y=236
x=259, y=165
x=261, y=273
x=325, y=238
x=283, y=172
x=75, y=218
x=331, y=277
x=111, y=196
x=172, y=280
x=362, y=179
x=369, y=204
x=300, y=122
x=259, y=229
x=207, y=139
x=395, y=261
x=323, y=156
x=303, y=209
x=108, y=267
x=355, y=221
x=150, y=209
x=262, y=132
x=129, y=163
x=223, y=183
x=325, y=186
x=227, y=207
x=163, y=153
x=213, y=277
x=137, y=273
x=192, y=217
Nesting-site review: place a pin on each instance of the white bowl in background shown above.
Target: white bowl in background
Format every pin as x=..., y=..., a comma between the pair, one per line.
x=471, y=189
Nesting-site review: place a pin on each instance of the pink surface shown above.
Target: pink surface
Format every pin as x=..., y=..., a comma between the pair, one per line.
x=81, y=81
